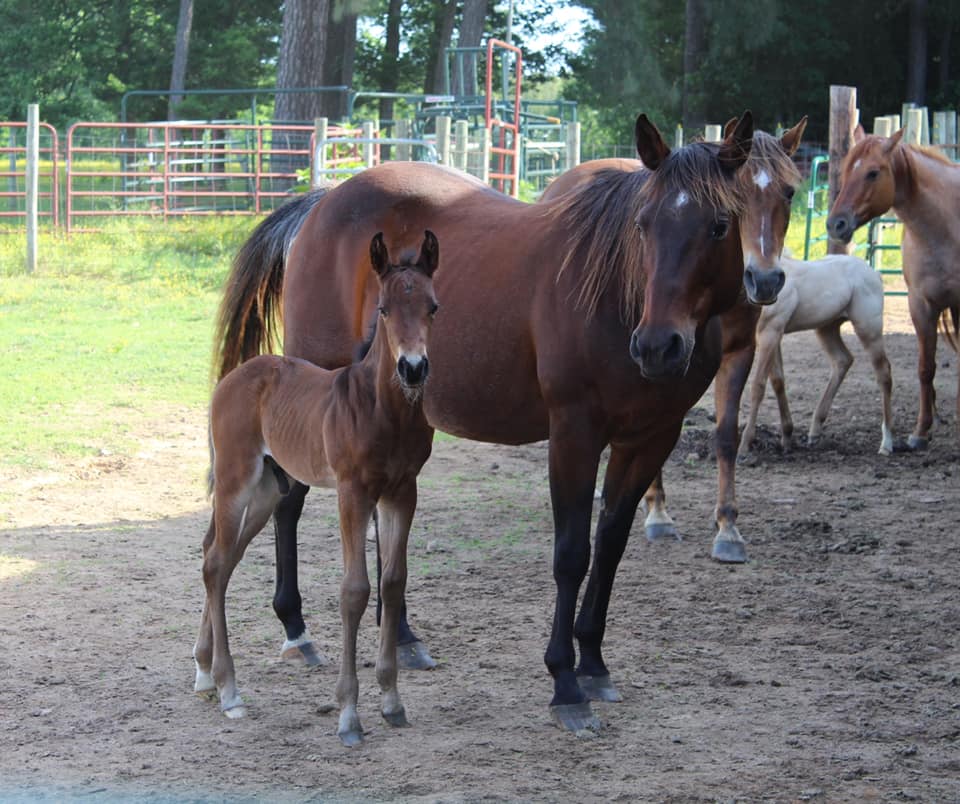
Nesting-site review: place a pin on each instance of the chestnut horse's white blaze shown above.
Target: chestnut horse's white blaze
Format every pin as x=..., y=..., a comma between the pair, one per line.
x=821, y=295
x=274, y=420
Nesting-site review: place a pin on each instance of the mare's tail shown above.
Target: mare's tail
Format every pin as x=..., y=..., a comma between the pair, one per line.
x=248, y=320
x=951, y=333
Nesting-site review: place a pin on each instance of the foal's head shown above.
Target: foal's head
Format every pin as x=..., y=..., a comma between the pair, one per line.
x=867, y=185
x=769, y=181
x=407, y=306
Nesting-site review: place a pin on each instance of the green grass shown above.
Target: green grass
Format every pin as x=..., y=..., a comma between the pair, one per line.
x=111, y=328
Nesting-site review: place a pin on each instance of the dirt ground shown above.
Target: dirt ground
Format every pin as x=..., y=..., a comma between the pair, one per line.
x=826, y=669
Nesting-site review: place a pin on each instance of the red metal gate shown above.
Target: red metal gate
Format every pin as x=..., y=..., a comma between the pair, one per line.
x=13, y=173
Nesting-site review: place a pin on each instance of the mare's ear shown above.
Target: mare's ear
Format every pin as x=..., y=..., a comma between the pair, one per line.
x=790, y=139
x=651, y=148
x=378, y=254
x=735, y=147
x=859, y=133
x=429, y=253
x=890, y=144
x=730, y=125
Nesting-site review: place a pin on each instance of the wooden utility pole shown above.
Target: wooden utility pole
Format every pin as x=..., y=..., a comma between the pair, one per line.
x=843, y=121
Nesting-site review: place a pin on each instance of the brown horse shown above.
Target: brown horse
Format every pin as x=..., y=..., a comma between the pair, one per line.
x=589, y=321
x=923, y=188
x=361, y=428
x=767, y=185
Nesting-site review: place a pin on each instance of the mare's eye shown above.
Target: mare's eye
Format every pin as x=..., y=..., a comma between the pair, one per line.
x=719, y=229
x=789, y=193
x=872, y=175
x=383, y=311
x=433, y=309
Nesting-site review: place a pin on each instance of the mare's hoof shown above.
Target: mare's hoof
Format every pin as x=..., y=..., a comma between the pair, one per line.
x=351, y=738
x=415, y=656
x=657, y=531
x=729, y=552
x=917, y=443
x=599, y=688
x=578, y=718
x=302, y=652
x=396, y=719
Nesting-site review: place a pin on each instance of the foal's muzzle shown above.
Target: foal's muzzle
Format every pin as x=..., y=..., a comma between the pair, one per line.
x=660, y=354
x=763, y=285
x=413, y=370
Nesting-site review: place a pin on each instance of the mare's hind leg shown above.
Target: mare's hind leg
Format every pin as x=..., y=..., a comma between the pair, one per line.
x=396, y=515
x=925, y=324
x=298, y=644
x=658, y=524
x=871, y=336
x=355, y=512
x=779, y=384
x=832, y=342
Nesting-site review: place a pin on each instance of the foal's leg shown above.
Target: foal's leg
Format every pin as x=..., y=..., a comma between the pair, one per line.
x=203, y=648
x=396, y=515
x=658, y=524
x=779, y=384
x=832, y=342
x=871, y=336
x=356, y=508
x=925, y=323
x=767, y=342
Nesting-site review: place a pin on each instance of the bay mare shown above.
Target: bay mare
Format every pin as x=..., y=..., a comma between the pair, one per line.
x=767, y=183
x=590, y=321
x=360, y=429
x=923, y=188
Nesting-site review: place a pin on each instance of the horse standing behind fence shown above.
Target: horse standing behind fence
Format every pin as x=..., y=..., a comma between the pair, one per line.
x=278, y=420
x=923, y=188
x=767, y=184
x=822, y=295
x=589, y=321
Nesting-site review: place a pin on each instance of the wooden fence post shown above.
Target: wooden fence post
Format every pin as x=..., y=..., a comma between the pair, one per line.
x=913, y=132
x=443, y=139
x=571, y=154
x=403, y=129
x=367, y=131
x=678, y=136
x=843, y=120
x=882, y=126
x=33, y=173
x=461, y=145
x=485, y=145
x=319, y=160
x=713, y=133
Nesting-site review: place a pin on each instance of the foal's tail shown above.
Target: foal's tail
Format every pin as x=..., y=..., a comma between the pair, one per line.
x=248, y=321
x=951, y=333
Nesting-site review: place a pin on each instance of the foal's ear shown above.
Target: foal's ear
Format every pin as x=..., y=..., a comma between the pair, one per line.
x=735, y=147
x=650, y=145
x=890, y=144
x=859, y=134
x=730, y=125
x=429, y=253
x=790, y=139
x=378, y=254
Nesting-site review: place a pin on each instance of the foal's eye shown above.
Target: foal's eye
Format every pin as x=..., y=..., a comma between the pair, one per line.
x=719, y=229
x=872, y=175
x=383, y=311
x=433, y=309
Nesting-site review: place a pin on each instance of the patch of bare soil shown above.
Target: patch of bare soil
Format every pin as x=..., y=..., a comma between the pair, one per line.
x=826, y=669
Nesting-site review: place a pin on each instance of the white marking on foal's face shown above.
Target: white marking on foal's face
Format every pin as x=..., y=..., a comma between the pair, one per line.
x=762, y=179
x=763, y=226
x=856, y=164
x=682, y=199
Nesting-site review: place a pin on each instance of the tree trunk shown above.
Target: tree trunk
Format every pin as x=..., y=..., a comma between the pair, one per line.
x=694, y=46
x=338, y=63
x=471, y=34
x=181, y=49
x=389, y=75
x=917, y=53
x=303, y=46
x=944, y=76
x=442, y=33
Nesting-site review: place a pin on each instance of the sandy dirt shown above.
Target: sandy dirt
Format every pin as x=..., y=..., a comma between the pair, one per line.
x=826, y=669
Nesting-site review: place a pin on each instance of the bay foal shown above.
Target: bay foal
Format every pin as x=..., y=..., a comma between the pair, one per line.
x=279, y=420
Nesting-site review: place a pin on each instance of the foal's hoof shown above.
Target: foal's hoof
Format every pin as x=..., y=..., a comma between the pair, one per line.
x=415, y=656
x=918, y=443
x=599, y=688
x=658, y=531
x=578, y=718
x=397, y=719
x=236, y=711
x=351, y=738
x=302, y=650
x=729, y=552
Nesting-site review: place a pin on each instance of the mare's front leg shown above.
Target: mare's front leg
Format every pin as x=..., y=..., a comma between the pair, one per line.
x=356, y=508
x=739, y=346
x=298, y=644
x=628, y=474
x=658, y=524
x=396, y=516
x=574, y=459
x=925, y=323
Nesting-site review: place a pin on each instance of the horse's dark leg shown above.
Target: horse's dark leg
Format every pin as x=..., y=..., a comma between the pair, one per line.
x=628, y=474
x=412, y=654
x=574, y=459
x=739, y=346
x=286, y=599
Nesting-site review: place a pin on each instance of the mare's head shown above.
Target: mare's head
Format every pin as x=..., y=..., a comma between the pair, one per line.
x=688, y=222
x=407, y=306
x=769, y=181
x=867, y=185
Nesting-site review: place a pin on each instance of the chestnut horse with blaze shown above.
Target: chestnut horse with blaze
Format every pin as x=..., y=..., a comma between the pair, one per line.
x=275, y=421
x=590, y=321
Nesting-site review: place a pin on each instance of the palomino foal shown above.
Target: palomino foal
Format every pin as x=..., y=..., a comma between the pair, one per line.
x=275, y=420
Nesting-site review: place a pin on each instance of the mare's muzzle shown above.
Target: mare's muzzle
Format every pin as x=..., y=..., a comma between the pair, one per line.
x=841, y=226
x=413, y=371
x=660, y=353
x=763, y=285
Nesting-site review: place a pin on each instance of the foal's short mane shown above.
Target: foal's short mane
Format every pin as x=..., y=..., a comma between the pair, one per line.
x=600, y=216
x=767, y=154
